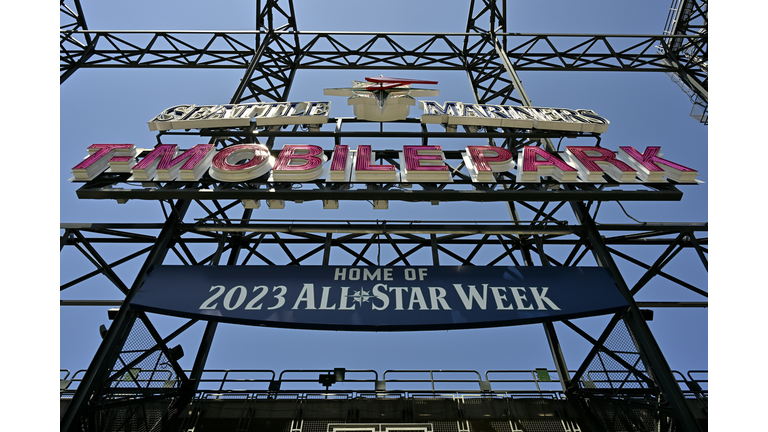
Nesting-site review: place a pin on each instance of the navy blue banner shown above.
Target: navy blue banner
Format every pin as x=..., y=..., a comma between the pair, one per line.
x=379, y=298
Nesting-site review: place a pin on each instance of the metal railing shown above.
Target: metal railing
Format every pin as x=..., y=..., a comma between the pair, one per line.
x=349, y=383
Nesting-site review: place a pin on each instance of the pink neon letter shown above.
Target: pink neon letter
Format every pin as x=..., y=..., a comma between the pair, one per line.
x=259, y=155
x=166, y=152
x=531, y=163
x=363, y=161
x=649, y=159
x=414, y=155
x=288, y=154
x=482, y=162
x=590, y=162
x=104, y=150
x=339, y=161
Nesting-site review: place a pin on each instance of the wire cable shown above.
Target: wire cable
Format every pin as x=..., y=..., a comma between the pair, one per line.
x=625, y=212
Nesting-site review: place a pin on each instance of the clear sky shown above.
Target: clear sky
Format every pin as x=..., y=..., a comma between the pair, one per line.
x=644, y=109
x=113, y=106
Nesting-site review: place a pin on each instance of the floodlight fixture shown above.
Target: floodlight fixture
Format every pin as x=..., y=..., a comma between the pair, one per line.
x=176, y=353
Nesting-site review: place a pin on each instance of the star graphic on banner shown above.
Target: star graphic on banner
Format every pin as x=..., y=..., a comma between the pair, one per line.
x=361, y=296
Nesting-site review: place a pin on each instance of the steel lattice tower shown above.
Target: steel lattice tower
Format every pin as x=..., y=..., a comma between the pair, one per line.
x=491, y=56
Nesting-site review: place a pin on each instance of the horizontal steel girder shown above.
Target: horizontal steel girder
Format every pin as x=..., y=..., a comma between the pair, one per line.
x=365, y=50
x=537, y=193
x=643, y=233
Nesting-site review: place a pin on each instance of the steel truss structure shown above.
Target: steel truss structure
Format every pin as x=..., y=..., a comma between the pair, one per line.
x=689, y=17
x=636, y=389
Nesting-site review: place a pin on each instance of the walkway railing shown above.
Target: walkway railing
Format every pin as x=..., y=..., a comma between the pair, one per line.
x=351, y=383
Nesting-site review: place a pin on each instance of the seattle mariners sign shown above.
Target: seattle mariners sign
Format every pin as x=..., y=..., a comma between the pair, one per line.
x=379, y=99
x=379, y=298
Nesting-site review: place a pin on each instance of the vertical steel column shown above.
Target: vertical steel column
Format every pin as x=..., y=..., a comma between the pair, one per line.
x=273, y=68
x=686, y=76
x=197, y=368
x=90, y=43
x=245, y=80
x=518, y=85
x=327, y=249
x=549, y=328
x=88, y=389
x=435, y=256
x=486, y=18
x=264, y=21
x=557, y=356
x=210, y=328
x=602, y=256
x=688, y=56
x=657, y=364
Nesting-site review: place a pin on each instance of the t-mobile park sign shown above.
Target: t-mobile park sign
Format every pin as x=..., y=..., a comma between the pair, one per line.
x=418, y=164
x=379, y=298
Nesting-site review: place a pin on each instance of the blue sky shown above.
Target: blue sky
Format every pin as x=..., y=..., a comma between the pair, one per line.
x=644, y=109
x=113, y=106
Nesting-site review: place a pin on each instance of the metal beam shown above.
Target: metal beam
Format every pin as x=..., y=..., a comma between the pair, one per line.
x=525, y=193
x=649, y=349
x=332, y=50
x=118, y=331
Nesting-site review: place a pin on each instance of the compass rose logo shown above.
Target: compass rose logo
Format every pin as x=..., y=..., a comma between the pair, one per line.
x=383, y=98
x=361, y=296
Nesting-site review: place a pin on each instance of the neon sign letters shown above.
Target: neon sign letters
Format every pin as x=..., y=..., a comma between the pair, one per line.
x=418, y=164
x=506, y=116
x=240, y=115
x=381, y=103
x=379, y=99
